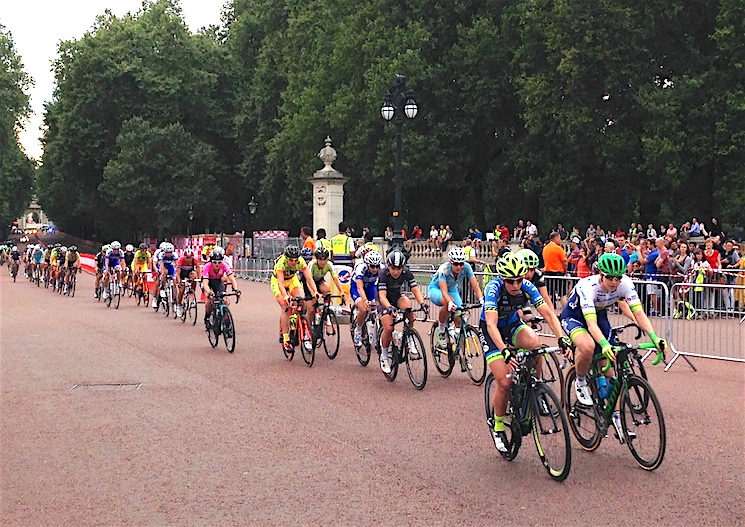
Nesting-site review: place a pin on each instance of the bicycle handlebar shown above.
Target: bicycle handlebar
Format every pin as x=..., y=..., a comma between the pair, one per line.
x=617, y=330
x=523, y=355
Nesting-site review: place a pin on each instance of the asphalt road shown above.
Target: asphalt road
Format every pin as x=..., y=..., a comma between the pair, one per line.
x=211, y=438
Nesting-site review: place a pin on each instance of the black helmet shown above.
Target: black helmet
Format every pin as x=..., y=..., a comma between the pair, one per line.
x=396, y=258
x=143, y=246
x=322, y=253
x=292, y=251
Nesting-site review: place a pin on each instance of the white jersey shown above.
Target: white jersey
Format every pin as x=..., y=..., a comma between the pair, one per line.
x=588, y=297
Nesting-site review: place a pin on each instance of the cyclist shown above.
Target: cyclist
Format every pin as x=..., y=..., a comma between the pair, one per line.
x=187, y=267
x=443, y=289
x=167, y=263
x=285, y=283
x=212, y=279
x=46, y=260
x=72, y=261
x=129, y=257
x=60, y=267
x=15, y=259
x=585, y=319
x=37, y=257
x=390, y=280
x=156, y=272
x=114, y=257
x=100, y=260
x=534, y=274
x=364, y=288
x=141, y=264
x=501, y=326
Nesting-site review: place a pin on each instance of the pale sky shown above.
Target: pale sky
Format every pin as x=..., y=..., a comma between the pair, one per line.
x=37, y=26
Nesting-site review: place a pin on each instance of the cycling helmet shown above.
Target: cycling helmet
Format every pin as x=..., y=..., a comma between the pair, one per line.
x=168, y=248
x=218, y=253
x=373, y=259
x=457, y=255
x=15, y=248
x=143, y=247
x=63, y=249
x=188, y=251
x=129, y=248
x=105, y=248
x=396, y=259
x=116, y=246
x=292, y=251
x=611, y=264
x=511, y=266
x=306, y=253
x=73, y=248
x=162, y=245
x=529, y=258
x=322, y=253
x=38, y=247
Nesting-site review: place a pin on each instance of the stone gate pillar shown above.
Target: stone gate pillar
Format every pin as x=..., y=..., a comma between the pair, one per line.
x=328, y=193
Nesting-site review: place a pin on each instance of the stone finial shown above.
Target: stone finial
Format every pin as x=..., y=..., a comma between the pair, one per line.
x=327, y=154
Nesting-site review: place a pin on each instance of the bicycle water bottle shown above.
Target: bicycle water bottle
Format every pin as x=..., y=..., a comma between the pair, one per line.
x=603, y=387
x=293, y=322
x=371, y=331
x=317, y=318
x=397, y=339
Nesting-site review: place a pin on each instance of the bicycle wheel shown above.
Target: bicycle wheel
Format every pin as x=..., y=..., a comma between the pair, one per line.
x=553, y=374
x=363, y=350
x=511, y=424
x=213, y=333
x=583, y=420
x=551, y=433
x=306, y=341
x=330, y=334
x=73, y=281
x=474, y=355
x=644, y=422
x=415, y=355
x=191, y=309
x=228, y=330
x=442, y=359
x=165, y=305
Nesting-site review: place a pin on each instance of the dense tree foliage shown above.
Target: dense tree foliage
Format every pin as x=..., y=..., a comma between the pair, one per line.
x=606, y=111
x=16, y=169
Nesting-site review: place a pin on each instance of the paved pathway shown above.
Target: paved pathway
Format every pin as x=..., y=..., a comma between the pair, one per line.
x=251, y=439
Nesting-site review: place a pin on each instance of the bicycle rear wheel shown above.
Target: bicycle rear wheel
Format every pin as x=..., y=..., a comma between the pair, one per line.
x=363, y=350
x=415, y=355
x=583, y=420
x=73, y=282
x=330, y=332
x=641, y=417
x=306, y=341
x=511, y=423
x=442, y=358
x=228, y=330
x=190, y=309
x=551, y=433
x=474, y=355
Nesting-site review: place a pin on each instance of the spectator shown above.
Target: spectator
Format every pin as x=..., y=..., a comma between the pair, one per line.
x=446, y=239
x=583, y=270
x=505, y=232
x=504, y=247
x=471, y=256
x=388, y=236
x=531, y=229
x=681, y=266
x=433, y=243
x=416, y=236
x=561, y=231
x=609, y=247
x=306, y=233
x=702, y=274
x=639, y=231
x=600, y=233
x=730, y=262
x=633, y=231
x=651, y=233
x=651, y=274
x=715, y=229
x=322, y=241
x=443, y=233
x=695, y=230
x=519, y=231
x=478, y=238
x=590, y=232
x=554, y=264
x=574, y=254
x=575, y=232
x=672, y=231
x=620, y=232
x=683, y=232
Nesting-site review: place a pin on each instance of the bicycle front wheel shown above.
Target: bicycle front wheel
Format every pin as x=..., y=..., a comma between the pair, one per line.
x=474, y=355
x=72, y=285
x=443, y=360
x=191, y=309
x=643, y=423
x=330, y=335
x=306, y=341
x=213, y=333
x=551, y=433
x=511, y=423
x=228, y=330
x=583, y=420
x=415, y=356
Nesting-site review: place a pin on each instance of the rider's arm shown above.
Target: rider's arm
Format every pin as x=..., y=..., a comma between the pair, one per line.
x=418, y=294
x=383, y=298
x=492, y=319
x=446, y=298
x=361, y=290
x=281, y=282
x=626, y=310
x=544, y=293
x=476, y=288
x=233, y=281
x=309, y=280
x=547, y=312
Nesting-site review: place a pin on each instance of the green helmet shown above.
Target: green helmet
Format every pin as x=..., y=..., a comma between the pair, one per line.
x=529, y=258
x=611, y=264
x=511, y=266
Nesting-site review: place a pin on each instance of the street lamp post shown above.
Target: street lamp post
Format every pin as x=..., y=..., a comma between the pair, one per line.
x=400, y=101
x=251, y=211
x=191, y=217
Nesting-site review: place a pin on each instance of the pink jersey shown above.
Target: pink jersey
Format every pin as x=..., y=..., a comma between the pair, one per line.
x=213, y=272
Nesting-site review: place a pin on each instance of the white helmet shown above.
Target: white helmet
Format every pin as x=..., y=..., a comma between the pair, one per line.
x=218, y=253
x=63, y=249
x=168, y=248
x=188, y=251
x=129, y=248
x=457, y=255
x=15, y=248
x=162, y=245
x=38, y=247
x=373, y=259
x=116, y=246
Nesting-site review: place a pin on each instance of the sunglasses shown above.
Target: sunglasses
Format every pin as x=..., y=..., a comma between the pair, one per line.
x=611, y=278
x=374, y=266
x=457, y=264
x=513, y=281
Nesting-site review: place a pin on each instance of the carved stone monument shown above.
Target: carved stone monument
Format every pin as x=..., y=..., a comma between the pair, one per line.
x=328, y=193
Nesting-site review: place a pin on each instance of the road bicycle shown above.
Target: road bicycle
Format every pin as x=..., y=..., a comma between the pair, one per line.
x=463, y=344
x=552, y=369
x=407, y=347
x=370, y=332
x=167, y=298
x=189, y=301
x=220, y=320
x=115, y=291
x=127, y=284
x=47, y=276
x=37, y=275
x=325, y=327
x=71, y=284
x=642, y=420
x=533, y=407
x=14, y=270
x=141, y=289
x=300, y=332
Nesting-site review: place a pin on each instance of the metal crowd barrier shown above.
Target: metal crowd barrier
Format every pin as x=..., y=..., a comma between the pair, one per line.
x=254, y=269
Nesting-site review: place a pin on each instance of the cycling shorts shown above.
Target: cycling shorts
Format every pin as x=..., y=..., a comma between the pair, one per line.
x=435, y=295
x=141, y=267
x=170, y=269
x=508, y=334
x=184, y=274
x=216, y=285
x=371, y=290
x=573, y=324
x=290, y=285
